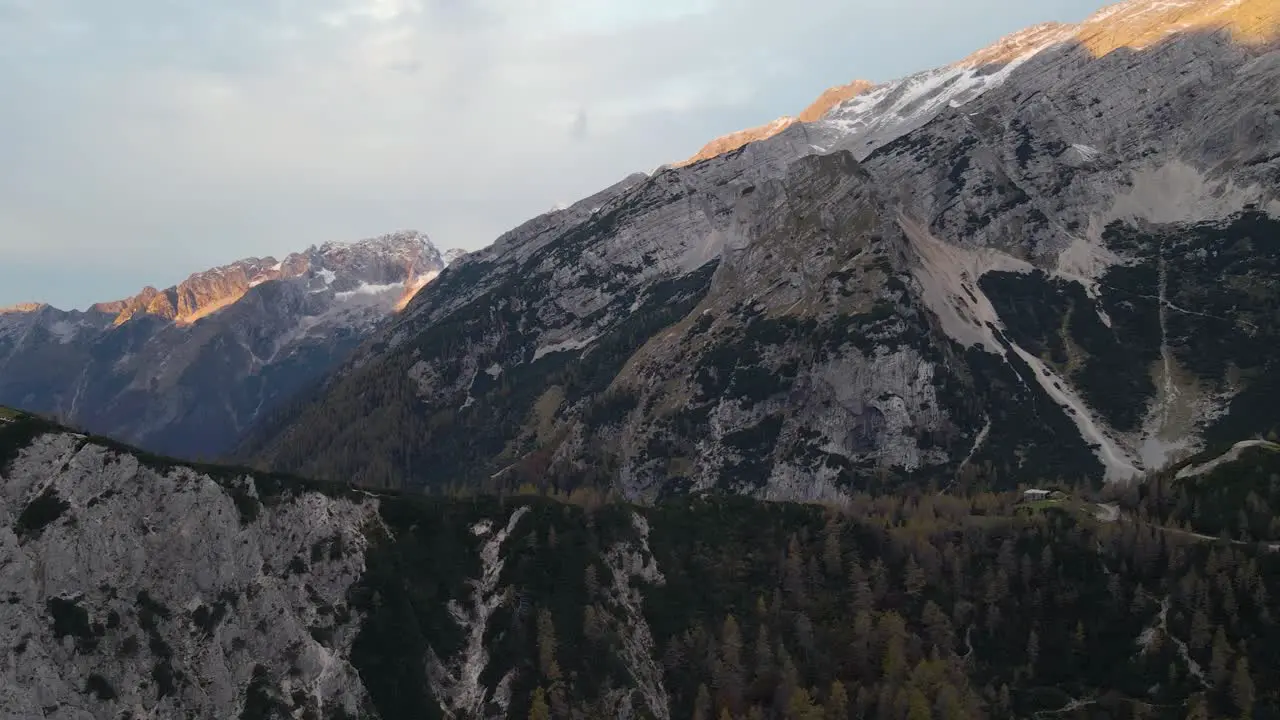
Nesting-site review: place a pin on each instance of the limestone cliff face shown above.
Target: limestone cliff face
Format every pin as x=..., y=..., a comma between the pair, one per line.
x=187, y=370
x=161, y=593
x=132, y=585
x=999, y=264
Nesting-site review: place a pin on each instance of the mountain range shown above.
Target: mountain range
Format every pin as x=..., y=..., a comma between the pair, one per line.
x=1006, y=330
x=1055, y=258
x=186, y=370
x=1047, y=259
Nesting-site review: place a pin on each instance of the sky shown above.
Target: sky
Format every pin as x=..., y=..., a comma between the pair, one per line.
x=143, y=140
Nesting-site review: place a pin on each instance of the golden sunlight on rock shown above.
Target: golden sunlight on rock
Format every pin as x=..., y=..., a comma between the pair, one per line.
x=733, y=141
x=411, y=289
x=833, y=97
x=1135, y=25
x=1141, y=25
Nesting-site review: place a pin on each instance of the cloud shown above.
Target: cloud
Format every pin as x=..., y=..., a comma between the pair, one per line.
x=145, y=139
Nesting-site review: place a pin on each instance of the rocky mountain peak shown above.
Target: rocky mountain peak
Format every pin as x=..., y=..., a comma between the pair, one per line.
x=186, y=369
x=404, y=258
x=1137, y=24
x=832, y=97
x=735, y=140
x=868, y=115
x=1018, y=44
x=399, y=257
x=21, y=308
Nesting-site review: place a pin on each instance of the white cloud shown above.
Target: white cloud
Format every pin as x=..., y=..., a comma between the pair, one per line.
x=165, y=137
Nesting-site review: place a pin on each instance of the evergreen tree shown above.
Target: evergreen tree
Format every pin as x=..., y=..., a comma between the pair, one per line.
x=702, y=704
x=1242, y=690
x=539, y=710
x=837, y=706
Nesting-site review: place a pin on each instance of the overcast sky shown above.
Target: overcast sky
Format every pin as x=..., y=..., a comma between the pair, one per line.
x=142, y=140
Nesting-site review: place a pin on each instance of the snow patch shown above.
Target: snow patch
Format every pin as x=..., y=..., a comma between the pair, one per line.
x=566, y=346
x=370, y=290
x=887, y=112
x=64, y=331
x=1087, y=153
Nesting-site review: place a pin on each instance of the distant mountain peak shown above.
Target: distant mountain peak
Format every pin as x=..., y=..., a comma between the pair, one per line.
x=22, y=308
x=887, y=110
x=187, y=368
x=405, y=257
x=399, y=240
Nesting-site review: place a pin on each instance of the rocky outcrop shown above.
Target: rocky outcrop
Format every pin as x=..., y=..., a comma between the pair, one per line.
x=163, y=592
x=832, y=97
x=997, y=265
x=735, y=140
x=187, y=370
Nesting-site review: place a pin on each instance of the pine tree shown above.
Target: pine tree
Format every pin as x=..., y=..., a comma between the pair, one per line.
x=893, y=630
x=763, y=654
x=1219, y=662
x=592, y=625
x=802, y=707
x=539, y=710
x=729, y=678
x=918, y=706
x=915, y=579
x=731, y=643
x=702, y=704
x=1201, y=631
x=938, y=627
x=831, y=554
x=837, y=707
x=547, y=646
x=1242, y=690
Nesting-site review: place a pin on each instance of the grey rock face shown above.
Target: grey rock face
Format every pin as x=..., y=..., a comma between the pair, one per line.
x=159, y=593
x=998, y=263
x=188, y=370
x=130, y=586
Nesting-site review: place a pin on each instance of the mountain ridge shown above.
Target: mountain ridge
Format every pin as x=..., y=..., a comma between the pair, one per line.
x=185, y=370
x=724, y=325
x=1133, y=24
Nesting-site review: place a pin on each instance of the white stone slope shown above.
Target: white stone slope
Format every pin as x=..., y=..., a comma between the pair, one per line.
x=456, y=683
x=162, y=563
x=628, y=563
x=949, y=275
